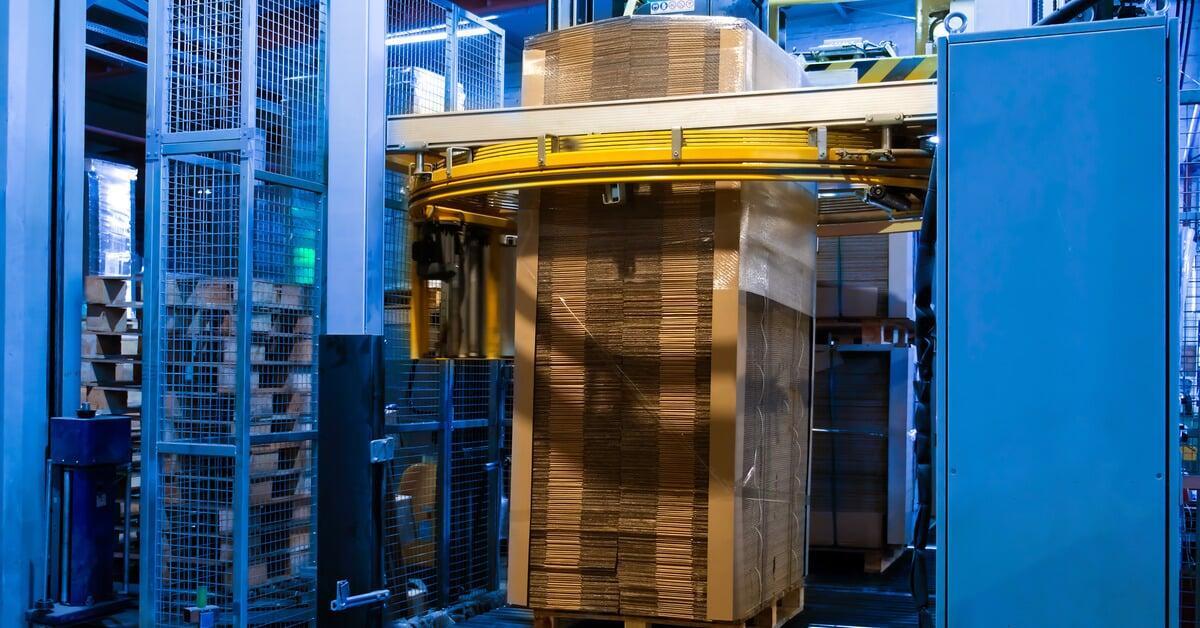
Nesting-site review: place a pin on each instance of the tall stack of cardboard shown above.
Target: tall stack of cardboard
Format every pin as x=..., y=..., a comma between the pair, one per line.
x=862, y=460
x=661, y=435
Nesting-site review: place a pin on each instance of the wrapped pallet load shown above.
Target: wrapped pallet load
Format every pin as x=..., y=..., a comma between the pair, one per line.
x=664, y=342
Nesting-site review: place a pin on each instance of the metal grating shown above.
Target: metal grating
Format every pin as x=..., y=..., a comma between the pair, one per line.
x=291, y=87
x=1189, y=376
x=472, y=451
x=442, y=58
x=195, y=534
x=234, y=291
x=442, y=521
x=397, y=287
x=204, y=63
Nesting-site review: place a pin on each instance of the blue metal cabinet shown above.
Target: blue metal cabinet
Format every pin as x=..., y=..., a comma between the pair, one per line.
x=1057, y=298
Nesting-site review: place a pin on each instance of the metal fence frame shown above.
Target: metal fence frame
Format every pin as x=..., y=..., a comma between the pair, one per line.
x=257, y=168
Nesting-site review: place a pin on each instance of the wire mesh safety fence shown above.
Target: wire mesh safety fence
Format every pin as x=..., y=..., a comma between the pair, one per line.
x=235, y=214
x=443, y=506
x=1189, y=376
x=442, y=58
x=1189, y=332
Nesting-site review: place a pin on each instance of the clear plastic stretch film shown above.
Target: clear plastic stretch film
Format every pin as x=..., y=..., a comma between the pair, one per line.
x=648, y=56
x=778, y=243
x=110, y=217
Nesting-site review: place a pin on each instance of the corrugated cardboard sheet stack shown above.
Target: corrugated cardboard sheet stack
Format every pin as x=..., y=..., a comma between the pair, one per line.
x=850, y=450
x=856, y=502
x=664, y=354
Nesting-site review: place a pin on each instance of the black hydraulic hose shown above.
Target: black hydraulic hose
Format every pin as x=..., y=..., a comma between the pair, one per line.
x=1068, y=12
x=922, y=410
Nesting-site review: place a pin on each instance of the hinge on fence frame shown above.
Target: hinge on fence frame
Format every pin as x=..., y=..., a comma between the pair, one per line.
x=383, y=449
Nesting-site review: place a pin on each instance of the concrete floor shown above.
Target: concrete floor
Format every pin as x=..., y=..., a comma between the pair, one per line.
x=839, y=595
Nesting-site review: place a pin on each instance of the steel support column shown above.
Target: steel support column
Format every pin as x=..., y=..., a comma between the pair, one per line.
x=349, y=528
x=27, y=184
x=71, y=210
x=357, y=148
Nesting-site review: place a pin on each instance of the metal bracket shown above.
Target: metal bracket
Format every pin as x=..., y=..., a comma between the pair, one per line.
x=383, y=449
x=153, y=146
x=345, y=601
x=450, y=151
x=613, y=194
x=542, y=141
x=819, y=137
x=884, y=119
x=676, y=143
x=508, y=239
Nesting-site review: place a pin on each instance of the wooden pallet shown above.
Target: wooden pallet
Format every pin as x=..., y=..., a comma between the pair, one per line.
x=111, y=371
x=878, y=561
x=114, y=399
x=773, y=615
x=97, y=344
x=112, y=290
x=867, y=331
x=875, y=561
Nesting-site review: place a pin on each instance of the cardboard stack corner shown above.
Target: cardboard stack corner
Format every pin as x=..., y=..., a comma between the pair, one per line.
x=664, y=354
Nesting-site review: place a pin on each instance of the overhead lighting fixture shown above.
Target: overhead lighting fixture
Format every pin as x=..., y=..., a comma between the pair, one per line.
x=435, y=33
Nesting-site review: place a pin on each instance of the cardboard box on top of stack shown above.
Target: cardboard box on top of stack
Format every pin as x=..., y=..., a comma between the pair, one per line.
x=662, y=399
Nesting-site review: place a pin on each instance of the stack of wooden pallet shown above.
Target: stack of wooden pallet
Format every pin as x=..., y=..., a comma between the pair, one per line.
x=204, y=353
x=111, y=374
x=208, y=367
x=110, y=377
x=862, y=461
x=653, y=478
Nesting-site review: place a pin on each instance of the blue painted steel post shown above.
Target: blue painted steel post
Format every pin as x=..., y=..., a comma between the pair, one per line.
x=26, y=167
x=71, y=206
x=245, y=301
x=156, y=57
x=445, y=478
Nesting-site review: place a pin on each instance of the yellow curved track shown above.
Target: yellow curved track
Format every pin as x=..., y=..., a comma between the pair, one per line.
x=702, y=155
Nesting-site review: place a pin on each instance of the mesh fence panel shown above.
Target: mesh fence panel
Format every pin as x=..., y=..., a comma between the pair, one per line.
x=441, y=58
x=195, y=519
x=197, y=307
x=291, y=87
x=204, y=62
x=1189, y=350
x=443, y=488
x=236, y=299
x=470, y=500
x=1189, y=187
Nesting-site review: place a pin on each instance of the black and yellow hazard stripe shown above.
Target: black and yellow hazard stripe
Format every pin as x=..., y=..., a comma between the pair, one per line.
x=885, y=69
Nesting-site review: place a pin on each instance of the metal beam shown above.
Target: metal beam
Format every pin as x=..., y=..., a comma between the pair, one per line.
x=70, y=213
x=27, y=181
x=820, y=106
x=354, y=233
